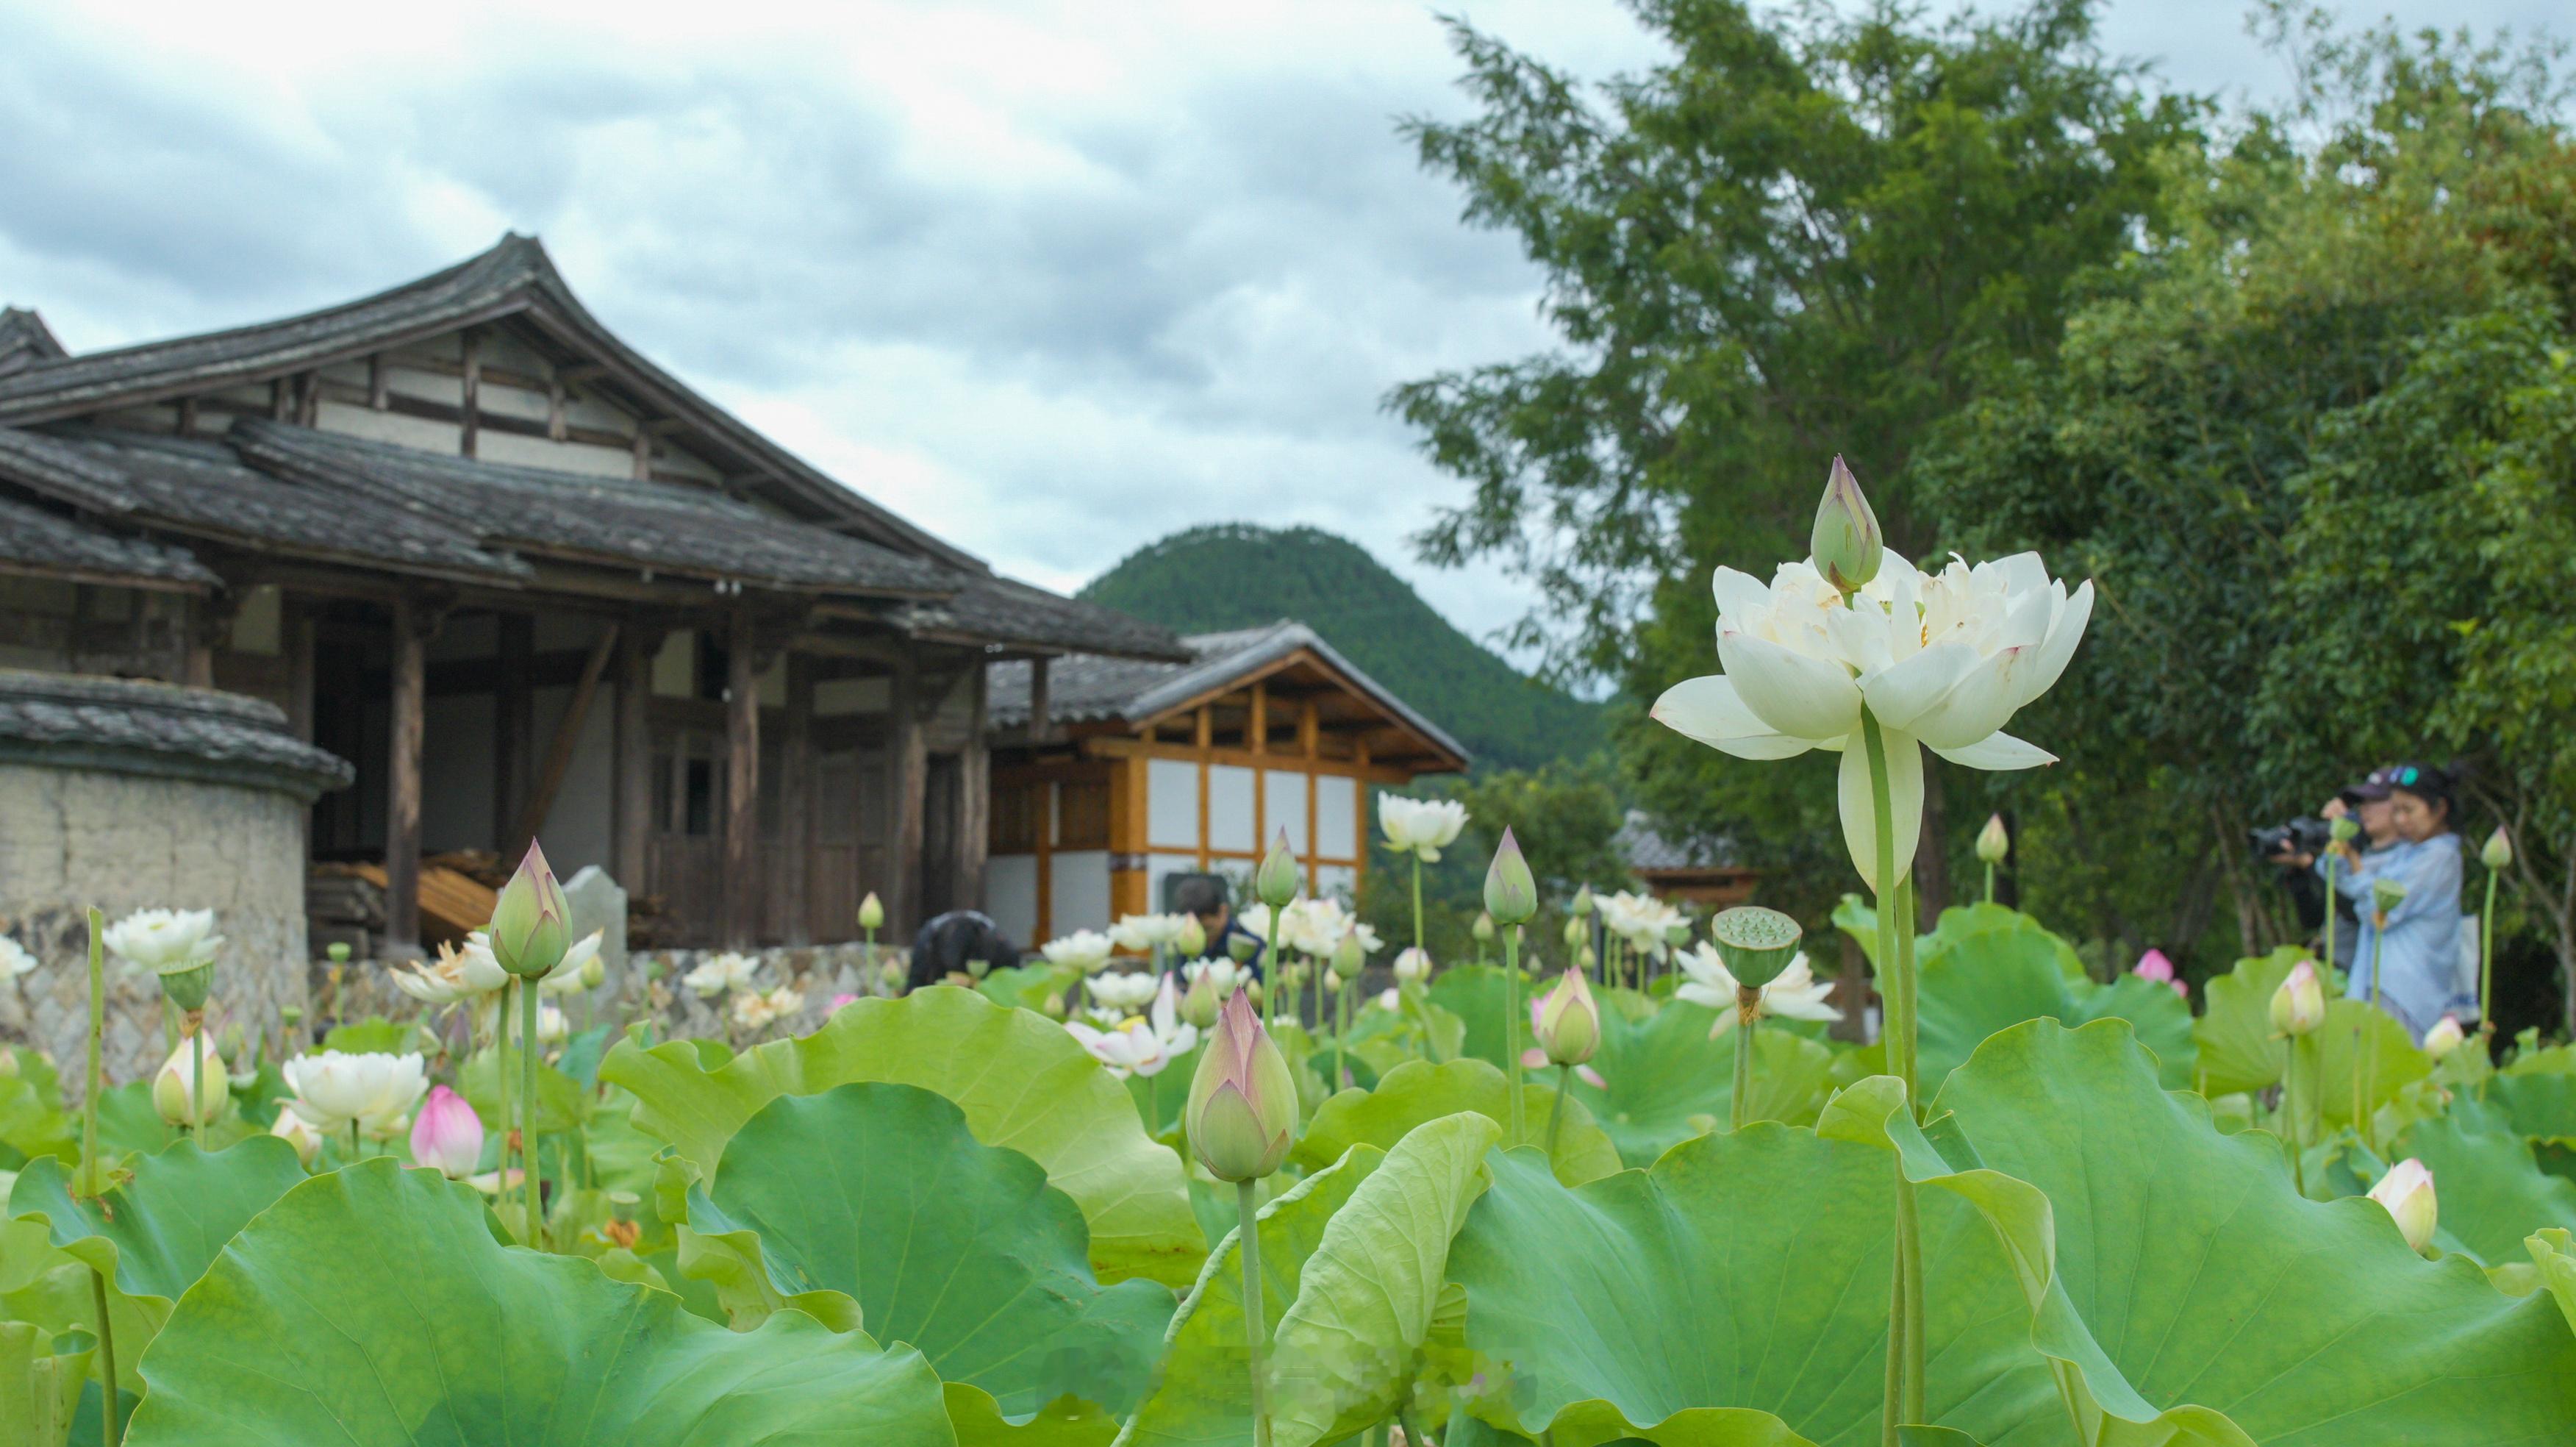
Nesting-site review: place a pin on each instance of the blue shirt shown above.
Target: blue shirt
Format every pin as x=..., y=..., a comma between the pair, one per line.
x=2420, y=951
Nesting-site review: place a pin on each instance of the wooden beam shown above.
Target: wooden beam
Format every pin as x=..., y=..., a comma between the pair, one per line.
x=514, y=730
x=187, y=416
x=643, y=455
x=1308, y=735
x=541, y=801
x=634, y=802
x=1257, y=732
x=975, y=804
x=557, y=426
x=402, y=782
x=471, y=407
x=379, y=387
x=908, y=760
x=308, y=398
x=794, y=868
x=1041, y=701
x=741, y=884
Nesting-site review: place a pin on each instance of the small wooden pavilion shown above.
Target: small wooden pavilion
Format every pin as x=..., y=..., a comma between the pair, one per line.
x=1114, y=776
x=529, y=583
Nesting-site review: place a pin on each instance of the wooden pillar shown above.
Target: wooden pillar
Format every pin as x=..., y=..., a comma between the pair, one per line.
x=741, y=884
x=975, y=803
x=402, y=783
x=794, y=867
x=1040, y=700
x=470, y=409
x=908, y=759
x=296, y=618
x=636, y=646
x=514, y=728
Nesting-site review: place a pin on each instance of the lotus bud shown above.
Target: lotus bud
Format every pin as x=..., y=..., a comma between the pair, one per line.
x=1756, y=943
x=1191, y=940
x=594, y=973
x=1199, y=1003
x=337, y=952
x=2444, y=1037
x=1576, y=931
x=978, y=969
x=2386, y=895
x=1582, y=908
x=1412, y=965
x=1348, y=957
x=1511, y=895
x=1256, y=992
x=2344, y=829
x=2299, y=1006
x=531, y=927
x=1055, y=1006
x=2407, y=1192
x=1275, y=883
x=170, y=1084
x=1993, y=842
x=1332, y=981
x=291, y=1015
x=1242, y=1113
x=2498, y=851
x=1483, y=928
x=1587, y=959
x=891, y=974
x=872, y=912
x=447, y=1136
x=1677, y=935
x=1566, y=1022
x=1847, y=544
x=1242, y=947
x=292, y=1129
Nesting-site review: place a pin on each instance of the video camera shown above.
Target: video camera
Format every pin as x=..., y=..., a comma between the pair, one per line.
x=2303, y=835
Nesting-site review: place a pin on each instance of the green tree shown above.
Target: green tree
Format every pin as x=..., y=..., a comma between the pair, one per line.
x=1804, y=233
x=1566, y=816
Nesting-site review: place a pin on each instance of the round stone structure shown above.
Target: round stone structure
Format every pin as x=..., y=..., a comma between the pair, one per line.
x=133, y=795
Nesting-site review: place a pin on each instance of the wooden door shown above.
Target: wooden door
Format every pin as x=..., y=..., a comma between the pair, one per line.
x=684, y=846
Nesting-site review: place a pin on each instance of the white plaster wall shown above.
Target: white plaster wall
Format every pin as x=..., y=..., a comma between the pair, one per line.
x=1172, y=804
x=1336, y=881
x=1284, y=799
x=1079, y=891
x=1337, y=815
x=1230, y=823
x=1011, y=896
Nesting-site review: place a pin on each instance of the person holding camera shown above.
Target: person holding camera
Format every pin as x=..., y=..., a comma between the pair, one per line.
x=2295, y=846
x=2418, y=943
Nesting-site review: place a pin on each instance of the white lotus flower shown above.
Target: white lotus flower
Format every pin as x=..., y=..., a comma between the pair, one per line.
x=1413, y=964
x=565, y=978
x=1140, y=1046
x=14, y=959
x=552, y=1028
x=1318, y=926
x=1796, y=995
x=754, y=1010
x=1420, y=827
x=457, y=974
x=1223, y=976
x=1642, y=920
x=1390, y=1000
x=296, y=1131
x=1145, y=933
x=727, y=971
x=1084, y=949
x=1943, y=660
x=162, y=940
x=333, y=1089
x=1123, y=993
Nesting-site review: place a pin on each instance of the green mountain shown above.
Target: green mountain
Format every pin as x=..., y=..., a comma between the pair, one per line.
x=1236, y=575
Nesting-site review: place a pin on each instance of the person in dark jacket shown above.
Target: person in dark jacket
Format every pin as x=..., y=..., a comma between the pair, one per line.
x=948, y=941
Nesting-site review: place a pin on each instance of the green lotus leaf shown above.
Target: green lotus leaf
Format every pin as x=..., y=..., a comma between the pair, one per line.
x=562, y=1104
x=1070, y=1422
x=1736, y=1292
x=1023, y=1083
x=1351, y=1346
x=2538, y=1093
x=1162, y=1096
x=154, y=1236
x=2239, y=1048
x=373, y=1307
x=1200, y=1392
x=1664, y=1080
x=2361, y=1042
x=2493, y=1195
x=32, y=1119
x=1474, y=994
x=2007, y=969
x=879, y=1194
x=2556, y=1260
x=41, y=1374
x=2190, y=1294
x=44, y=1285
x=1417, y=1092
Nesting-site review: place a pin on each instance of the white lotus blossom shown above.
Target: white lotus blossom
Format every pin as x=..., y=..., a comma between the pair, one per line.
x=1420, y=827
x=1943, y=660
x=727, y=971
x=335, y=1088
x=459, y=973
x=1223, y=976
x=14, y=959
x=565, y=978
x=1146, y=933
x=1123, y=993
x=1414, y=963
x=754, y=1010
x=1796, y=995
x=1390, y=1000
x=1642, y=920
x=1140, y=1046
x=1086, y=950
x=162, y=940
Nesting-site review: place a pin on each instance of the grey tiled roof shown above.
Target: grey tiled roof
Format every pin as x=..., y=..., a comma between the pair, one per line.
x=991, y=606
x=1647, y=849
x=1086, y=688
x=203, y=489
x=25, y=340
x=31, y=537
x=79, y=721
x=657, y=524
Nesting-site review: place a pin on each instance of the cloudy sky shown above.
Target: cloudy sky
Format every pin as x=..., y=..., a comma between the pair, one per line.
x=1052, y=279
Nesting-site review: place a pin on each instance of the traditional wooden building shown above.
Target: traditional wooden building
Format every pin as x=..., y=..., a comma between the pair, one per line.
x=1114, y=776
x=527, y=582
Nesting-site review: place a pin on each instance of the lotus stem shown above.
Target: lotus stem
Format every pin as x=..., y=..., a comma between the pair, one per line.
x=1417, y=899
x=2293, y=1098
x=1341, y=1027
x=2486, y=978
x=93, y=1180
x=189, y=1026
x=108, y=1434
x=1512, y=1026
x=1748, y=1012
x=528, y=1107
x=1556, y=1110
x=1990, y=883
x=2368, y=1133
x=1904, y=1354
x=2332, y=903
x=1256, y=1330
x=355, y=1149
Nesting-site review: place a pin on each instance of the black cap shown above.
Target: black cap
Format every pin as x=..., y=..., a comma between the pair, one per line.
x=2380, y=783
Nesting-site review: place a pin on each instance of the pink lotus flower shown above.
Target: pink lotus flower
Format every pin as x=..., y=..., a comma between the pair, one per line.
x=447, y=1136
x=2154, y=966
x=838, y=1001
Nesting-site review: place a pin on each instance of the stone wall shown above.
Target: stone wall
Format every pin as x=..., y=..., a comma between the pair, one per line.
x=70, y=838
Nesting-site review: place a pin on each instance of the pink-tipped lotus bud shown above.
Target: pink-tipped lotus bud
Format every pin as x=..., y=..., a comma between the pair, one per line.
x=447, y=1136
x=2444, y=1037
x=2154, y=966
x=2299, y=1006
x=170, y=1084
x=531, y=925
x=1191, y=939
x=1566, y=1022
x=1847, y=543
x=1511, y=895
x=1242, y=1113
x=2498, y=850
x=1993, y=841
x=1275, y=883
x=2407, y=1192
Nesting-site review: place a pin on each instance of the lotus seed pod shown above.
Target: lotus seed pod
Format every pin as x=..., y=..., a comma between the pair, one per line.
x=1756, y=943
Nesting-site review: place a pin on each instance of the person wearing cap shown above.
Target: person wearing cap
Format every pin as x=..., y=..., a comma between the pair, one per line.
x=2419, y=942
x=2367, y=801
